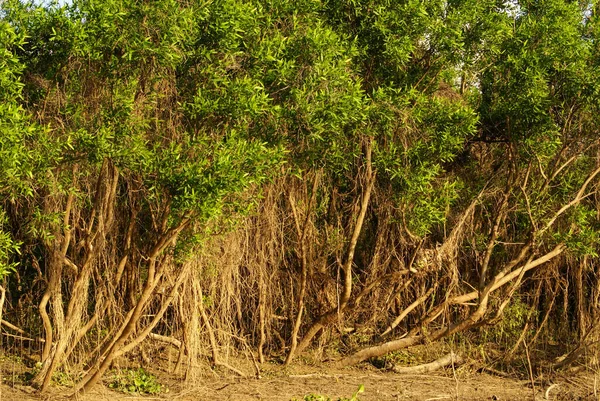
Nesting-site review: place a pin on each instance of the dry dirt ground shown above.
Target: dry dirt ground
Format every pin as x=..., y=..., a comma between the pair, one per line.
x=303, y=381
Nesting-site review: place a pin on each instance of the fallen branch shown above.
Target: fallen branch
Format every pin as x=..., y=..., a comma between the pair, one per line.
x=442, y=362
x=169, y=340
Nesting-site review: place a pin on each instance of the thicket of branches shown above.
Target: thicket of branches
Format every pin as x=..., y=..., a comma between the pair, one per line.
x=266, y=176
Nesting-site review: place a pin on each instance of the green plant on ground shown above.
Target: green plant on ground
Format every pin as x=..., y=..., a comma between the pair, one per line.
x=62, y=379
x=134, y=381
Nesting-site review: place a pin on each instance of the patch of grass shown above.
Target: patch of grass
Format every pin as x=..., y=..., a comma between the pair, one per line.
x=132, y=381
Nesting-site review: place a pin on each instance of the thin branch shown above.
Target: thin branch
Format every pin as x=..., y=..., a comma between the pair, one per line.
x=406, y=311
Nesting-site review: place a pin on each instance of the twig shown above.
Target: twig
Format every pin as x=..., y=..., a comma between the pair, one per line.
x=529, y=368
x=19, y=330
x=4, y=333
x=547, y=393
x=454, y=375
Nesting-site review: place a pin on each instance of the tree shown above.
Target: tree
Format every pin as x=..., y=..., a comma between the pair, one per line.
x=416, y=162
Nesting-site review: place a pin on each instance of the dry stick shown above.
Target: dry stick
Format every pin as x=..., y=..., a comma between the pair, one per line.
x=446, y=360
x=304, y=265
x=529, y=369
x=165, y=339
x=329, y=316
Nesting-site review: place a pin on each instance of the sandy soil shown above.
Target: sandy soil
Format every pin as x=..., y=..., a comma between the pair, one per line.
x=379, y=386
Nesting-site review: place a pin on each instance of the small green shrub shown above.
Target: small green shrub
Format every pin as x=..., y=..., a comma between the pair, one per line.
x=138, y=381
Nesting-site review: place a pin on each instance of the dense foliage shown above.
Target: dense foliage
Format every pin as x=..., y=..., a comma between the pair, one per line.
x=258, y=174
